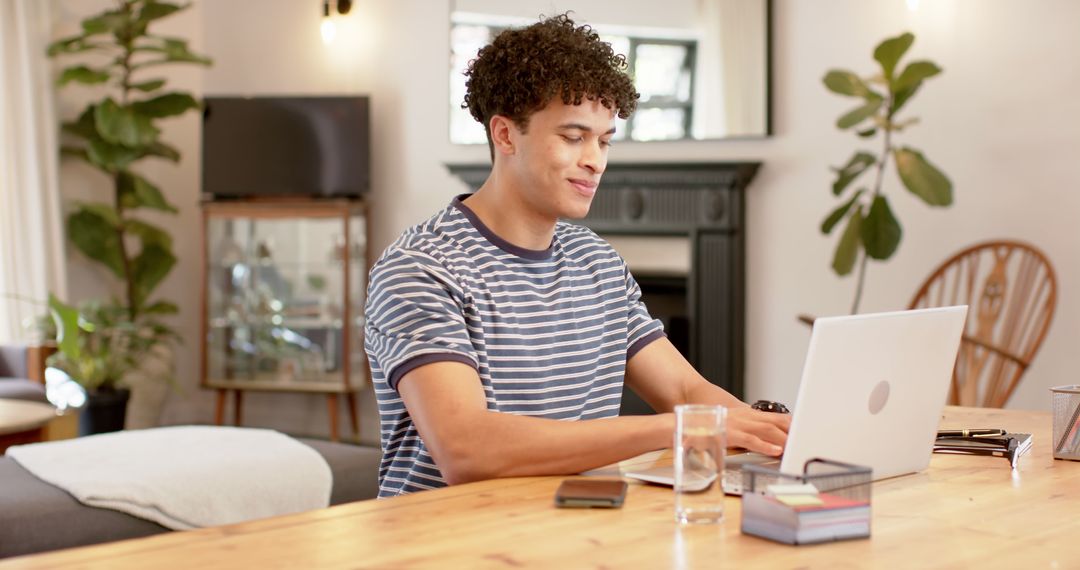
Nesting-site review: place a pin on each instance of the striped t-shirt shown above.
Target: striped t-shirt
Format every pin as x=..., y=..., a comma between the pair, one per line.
x=548, y=332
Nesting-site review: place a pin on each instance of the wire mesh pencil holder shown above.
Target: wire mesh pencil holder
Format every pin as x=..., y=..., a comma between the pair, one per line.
x=842, y=479
x=1065, y=401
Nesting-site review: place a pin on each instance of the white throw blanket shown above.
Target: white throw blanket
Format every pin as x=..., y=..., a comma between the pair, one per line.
x=185, y=477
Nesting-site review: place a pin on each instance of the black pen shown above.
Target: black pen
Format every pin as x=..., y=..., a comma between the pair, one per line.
x=970, y=432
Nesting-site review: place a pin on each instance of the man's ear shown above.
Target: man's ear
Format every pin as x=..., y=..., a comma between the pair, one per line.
x=503, y=131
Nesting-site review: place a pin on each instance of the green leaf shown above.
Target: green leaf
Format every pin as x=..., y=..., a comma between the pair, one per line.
x=915, y=73
x=96, y=238
x=162, y=150
x=845, y=82
x=902, y=97
x=174, y=50
x=150, y=267
x=137, y=192
x=161, y=308
x=109, y=22
x=838, y=214
x=66, y=319
x=147, y=86
x=889, y=52
x=110, y=157
x=850, y=171
x=859, y=114
x=867, y=133
x=61, y=45
x=73, y=44
x=83, y=126
x=82, y=74
x=122, y=125
x=167, y=105
x=848, y=248
x=880, y=231
x=922, y=178
x=155, y=10
x=148, y=233
x=103, y=211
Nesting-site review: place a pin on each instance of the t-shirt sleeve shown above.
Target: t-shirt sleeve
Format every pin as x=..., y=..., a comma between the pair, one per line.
x=642, y=327
x=414, y=316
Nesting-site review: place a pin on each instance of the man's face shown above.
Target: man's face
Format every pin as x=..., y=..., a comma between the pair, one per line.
x=558, y=161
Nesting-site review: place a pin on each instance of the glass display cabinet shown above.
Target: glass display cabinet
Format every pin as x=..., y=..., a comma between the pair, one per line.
x=283, y=301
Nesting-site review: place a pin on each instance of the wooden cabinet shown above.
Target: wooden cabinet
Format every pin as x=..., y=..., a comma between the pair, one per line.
x=283, y=287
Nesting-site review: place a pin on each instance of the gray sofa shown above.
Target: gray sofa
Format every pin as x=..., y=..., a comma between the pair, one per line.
x=36, y=516
x=15, y=374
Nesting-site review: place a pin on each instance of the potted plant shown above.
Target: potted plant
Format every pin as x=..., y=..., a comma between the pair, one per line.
x=114, y=134
x=872, y=229
x=100, y=347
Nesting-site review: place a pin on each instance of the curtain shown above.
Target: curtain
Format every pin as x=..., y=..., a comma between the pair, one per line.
x=31, y=231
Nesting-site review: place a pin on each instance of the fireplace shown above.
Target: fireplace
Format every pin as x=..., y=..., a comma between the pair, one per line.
x=681, y=228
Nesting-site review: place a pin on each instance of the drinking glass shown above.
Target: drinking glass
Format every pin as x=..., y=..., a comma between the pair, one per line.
x=700, y=442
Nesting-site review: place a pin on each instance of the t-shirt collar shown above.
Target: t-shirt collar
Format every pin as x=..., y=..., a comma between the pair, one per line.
x=538, y=254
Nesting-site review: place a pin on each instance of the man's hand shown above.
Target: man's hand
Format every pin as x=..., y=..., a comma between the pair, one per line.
x=763, y=432
x=664, y=379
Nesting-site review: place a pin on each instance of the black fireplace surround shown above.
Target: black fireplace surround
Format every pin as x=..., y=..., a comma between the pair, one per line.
x=704, y=202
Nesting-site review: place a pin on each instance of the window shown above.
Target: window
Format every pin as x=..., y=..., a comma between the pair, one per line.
x=662, y=68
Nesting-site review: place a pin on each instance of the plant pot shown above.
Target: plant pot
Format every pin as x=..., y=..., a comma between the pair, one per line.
x=104, y=411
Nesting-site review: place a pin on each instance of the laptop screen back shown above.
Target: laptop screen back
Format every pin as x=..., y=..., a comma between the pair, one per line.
x=873, y=389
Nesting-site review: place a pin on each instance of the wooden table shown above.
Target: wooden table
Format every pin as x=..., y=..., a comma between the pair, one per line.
x=23, y=422
x=964, y=511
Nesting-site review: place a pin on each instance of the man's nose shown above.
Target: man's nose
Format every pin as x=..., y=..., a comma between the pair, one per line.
x=594, y=158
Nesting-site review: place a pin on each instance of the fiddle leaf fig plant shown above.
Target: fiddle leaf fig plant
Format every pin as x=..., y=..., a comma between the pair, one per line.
x=871, y=230
x=100, y=341
x=118, y=131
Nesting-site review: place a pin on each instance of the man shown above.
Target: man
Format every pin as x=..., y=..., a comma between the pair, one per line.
x=492, y=321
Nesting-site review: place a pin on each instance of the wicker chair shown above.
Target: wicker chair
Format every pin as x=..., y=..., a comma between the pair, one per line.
x=1011, y=292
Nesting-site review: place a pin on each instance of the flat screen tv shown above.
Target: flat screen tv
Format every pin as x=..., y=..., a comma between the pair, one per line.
x=286, y=146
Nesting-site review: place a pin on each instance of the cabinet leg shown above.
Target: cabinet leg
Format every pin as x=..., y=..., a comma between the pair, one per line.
x=219, y=408
x=350, y=400
x=332, y=405
x=238, y=407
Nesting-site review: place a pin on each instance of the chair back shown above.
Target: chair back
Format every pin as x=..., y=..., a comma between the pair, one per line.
x=1011, y=293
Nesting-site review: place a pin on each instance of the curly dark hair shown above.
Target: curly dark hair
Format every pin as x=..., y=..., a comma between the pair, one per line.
x=524, y=69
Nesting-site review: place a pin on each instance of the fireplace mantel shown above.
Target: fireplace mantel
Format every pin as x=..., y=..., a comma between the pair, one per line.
x=703, y=201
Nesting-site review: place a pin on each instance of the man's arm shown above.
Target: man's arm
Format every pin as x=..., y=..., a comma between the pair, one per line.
x=469, y=443
x=664, y=379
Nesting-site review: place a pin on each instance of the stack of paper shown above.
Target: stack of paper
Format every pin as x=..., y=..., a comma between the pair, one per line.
x=799, y=514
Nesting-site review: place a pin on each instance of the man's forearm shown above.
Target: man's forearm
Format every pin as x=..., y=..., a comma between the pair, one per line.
x=705, y=392
x=506, y=445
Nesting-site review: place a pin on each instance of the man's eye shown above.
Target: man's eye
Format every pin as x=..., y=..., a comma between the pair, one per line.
x=572, y=139
x=605, y=143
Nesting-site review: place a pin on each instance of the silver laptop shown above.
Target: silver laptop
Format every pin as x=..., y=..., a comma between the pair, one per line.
x=872, y=392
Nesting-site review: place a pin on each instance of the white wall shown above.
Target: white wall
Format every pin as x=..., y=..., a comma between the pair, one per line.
x=1003, y=122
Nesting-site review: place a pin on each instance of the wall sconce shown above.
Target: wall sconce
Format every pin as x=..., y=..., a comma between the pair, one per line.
x=327, y=28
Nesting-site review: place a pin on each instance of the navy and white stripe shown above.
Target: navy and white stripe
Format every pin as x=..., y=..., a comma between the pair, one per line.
x=548, y=332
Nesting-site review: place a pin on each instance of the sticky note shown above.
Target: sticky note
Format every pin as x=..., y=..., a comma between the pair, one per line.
x=791, y=489
x=800, y=500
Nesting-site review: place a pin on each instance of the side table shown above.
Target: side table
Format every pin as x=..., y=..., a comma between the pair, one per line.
x=23, y=422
